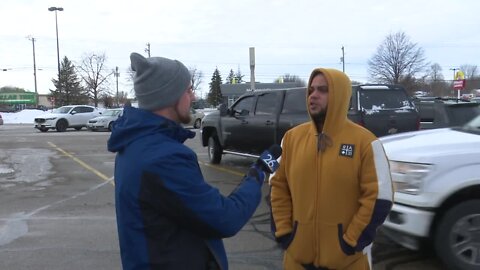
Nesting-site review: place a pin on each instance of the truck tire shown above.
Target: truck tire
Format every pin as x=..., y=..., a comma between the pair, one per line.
x=61, y=125
x=197, y=123
x=214, y=150
x=457, y=239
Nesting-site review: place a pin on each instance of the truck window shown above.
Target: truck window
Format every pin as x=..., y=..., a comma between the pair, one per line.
x=267, y=103
x=245, y=104
x=295, y=102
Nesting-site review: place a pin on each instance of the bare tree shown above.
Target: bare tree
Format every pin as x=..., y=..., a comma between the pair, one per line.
x=95, y=75
x=435, y=72
x=396, y=59
x=290, y=78
x=197, y=78
x=437, y=85
x=470, y=71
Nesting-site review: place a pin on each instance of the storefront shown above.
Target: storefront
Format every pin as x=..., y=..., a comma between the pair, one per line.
x=18, y=101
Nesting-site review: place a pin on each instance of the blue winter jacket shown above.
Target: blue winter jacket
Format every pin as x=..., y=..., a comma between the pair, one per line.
x=168, y=217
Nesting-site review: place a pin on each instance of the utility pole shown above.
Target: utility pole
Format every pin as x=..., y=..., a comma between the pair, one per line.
x=34, y=69
x=252, y=68
x=147, y=50
x=342, y=59
x=117, y=74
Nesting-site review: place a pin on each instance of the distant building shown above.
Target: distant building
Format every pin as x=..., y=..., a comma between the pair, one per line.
x=232, y=92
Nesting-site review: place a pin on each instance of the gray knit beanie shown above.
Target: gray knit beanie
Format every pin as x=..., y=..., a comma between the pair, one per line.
x=159, y=82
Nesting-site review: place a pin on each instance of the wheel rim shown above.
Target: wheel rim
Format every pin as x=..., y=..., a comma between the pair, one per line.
x=211, y=149
x=465, y=239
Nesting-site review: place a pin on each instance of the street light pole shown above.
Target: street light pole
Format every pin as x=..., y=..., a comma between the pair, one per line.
x=56, y=27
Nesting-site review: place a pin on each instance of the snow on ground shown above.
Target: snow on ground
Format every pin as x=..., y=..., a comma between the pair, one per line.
x=21, y=117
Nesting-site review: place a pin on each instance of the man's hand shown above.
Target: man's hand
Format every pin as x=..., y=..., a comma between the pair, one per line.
x=256, y=172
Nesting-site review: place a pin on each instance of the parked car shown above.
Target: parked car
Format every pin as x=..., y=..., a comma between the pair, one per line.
x=71, y=116
x=440, y=112
x=197, y=116
x=1, y=120
x=104, y=121
x=436, y=175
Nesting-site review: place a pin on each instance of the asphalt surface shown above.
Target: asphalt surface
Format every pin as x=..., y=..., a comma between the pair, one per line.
x=57, y=207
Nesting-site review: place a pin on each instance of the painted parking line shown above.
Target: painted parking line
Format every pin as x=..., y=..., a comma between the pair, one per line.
x=110, y=179
x=221, y=168
x=83, y=164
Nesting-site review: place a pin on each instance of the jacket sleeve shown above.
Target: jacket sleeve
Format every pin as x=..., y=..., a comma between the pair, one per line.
x=174, y=187
x=280, y=197
x=375, y=199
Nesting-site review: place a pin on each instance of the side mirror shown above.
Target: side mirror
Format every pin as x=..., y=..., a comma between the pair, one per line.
x=223, y=109
x=73, y=112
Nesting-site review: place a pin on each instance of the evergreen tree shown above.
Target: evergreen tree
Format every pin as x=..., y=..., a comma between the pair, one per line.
x=215, y=94
x=68, y=90
x=239, y=76
x=231, y=78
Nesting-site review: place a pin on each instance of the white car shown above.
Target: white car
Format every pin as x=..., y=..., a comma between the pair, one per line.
x=71, y=116
x=197, y=116
x=436, y=175
x=105, y=121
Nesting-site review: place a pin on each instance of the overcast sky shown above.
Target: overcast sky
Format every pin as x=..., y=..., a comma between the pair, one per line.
x=289, y=36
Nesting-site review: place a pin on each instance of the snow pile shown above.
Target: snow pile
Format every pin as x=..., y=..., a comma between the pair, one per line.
x=21, y=117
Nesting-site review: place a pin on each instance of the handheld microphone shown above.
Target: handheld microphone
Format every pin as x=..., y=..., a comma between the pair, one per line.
x=268, y=159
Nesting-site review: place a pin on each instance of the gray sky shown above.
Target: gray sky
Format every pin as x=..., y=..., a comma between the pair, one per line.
x=289, y=36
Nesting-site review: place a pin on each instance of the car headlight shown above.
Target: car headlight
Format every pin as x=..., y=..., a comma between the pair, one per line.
x=51, y=118
x=408, y=177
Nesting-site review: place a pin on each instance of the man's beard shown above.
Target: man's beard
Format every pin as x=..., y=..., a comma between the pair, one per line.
x=319, y=118
x=185, y=119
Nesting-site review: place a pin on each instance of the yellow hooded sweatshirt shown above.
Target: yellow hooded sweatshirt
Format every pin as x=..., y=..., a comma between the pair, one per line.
x=327, y=205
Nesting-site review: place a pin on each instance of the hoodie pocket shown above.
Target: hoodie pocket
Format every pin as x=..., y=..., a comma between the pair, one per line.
x=335, y=253
x=301, y=247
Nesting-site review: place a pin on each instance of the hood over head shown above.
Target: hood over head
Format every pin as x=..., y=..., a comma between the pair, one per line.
x=339, y=93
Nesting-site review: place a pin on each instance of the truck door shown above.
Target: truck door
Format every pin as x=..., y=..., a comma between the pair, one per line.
x=234, y=131
x=262, y=125
x=294, y=112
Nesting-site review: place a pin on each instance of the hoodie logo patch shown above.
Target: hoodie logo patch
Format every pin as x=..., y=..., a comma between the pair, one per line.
x=347, y=150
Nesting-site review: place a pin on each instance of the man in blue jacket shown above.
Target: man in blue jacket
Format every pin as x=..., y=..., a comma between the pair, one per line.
x=168, y=217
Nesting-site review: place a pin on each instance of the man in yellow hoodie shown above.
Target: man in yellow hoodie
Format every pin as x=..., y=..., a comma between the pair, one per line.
x=333, y=187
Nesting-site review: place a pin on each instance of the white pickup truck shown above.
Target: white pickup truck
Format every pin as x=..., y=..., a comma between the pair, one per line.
x=436, y=175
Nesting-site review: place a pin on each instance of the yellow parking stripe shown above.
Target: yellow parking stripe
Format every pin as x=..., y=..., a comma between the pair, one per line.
x=110, y=179
x=83, y=164
x=221, y=168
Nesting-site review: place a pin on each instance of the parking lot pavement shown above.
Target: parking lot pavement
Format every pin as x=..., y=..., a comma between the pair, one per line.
x=58, y=207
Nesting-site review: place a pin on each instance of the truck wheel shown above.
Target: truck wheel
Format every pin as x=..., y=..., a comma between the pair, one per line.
x=214, y=150
x=457, y=239
x=62, y=125
x=197, y=122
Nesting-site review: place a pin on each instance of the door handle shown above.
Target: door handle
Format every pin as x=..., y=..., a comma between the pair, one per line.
x=244, y=122
x=268, y=123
